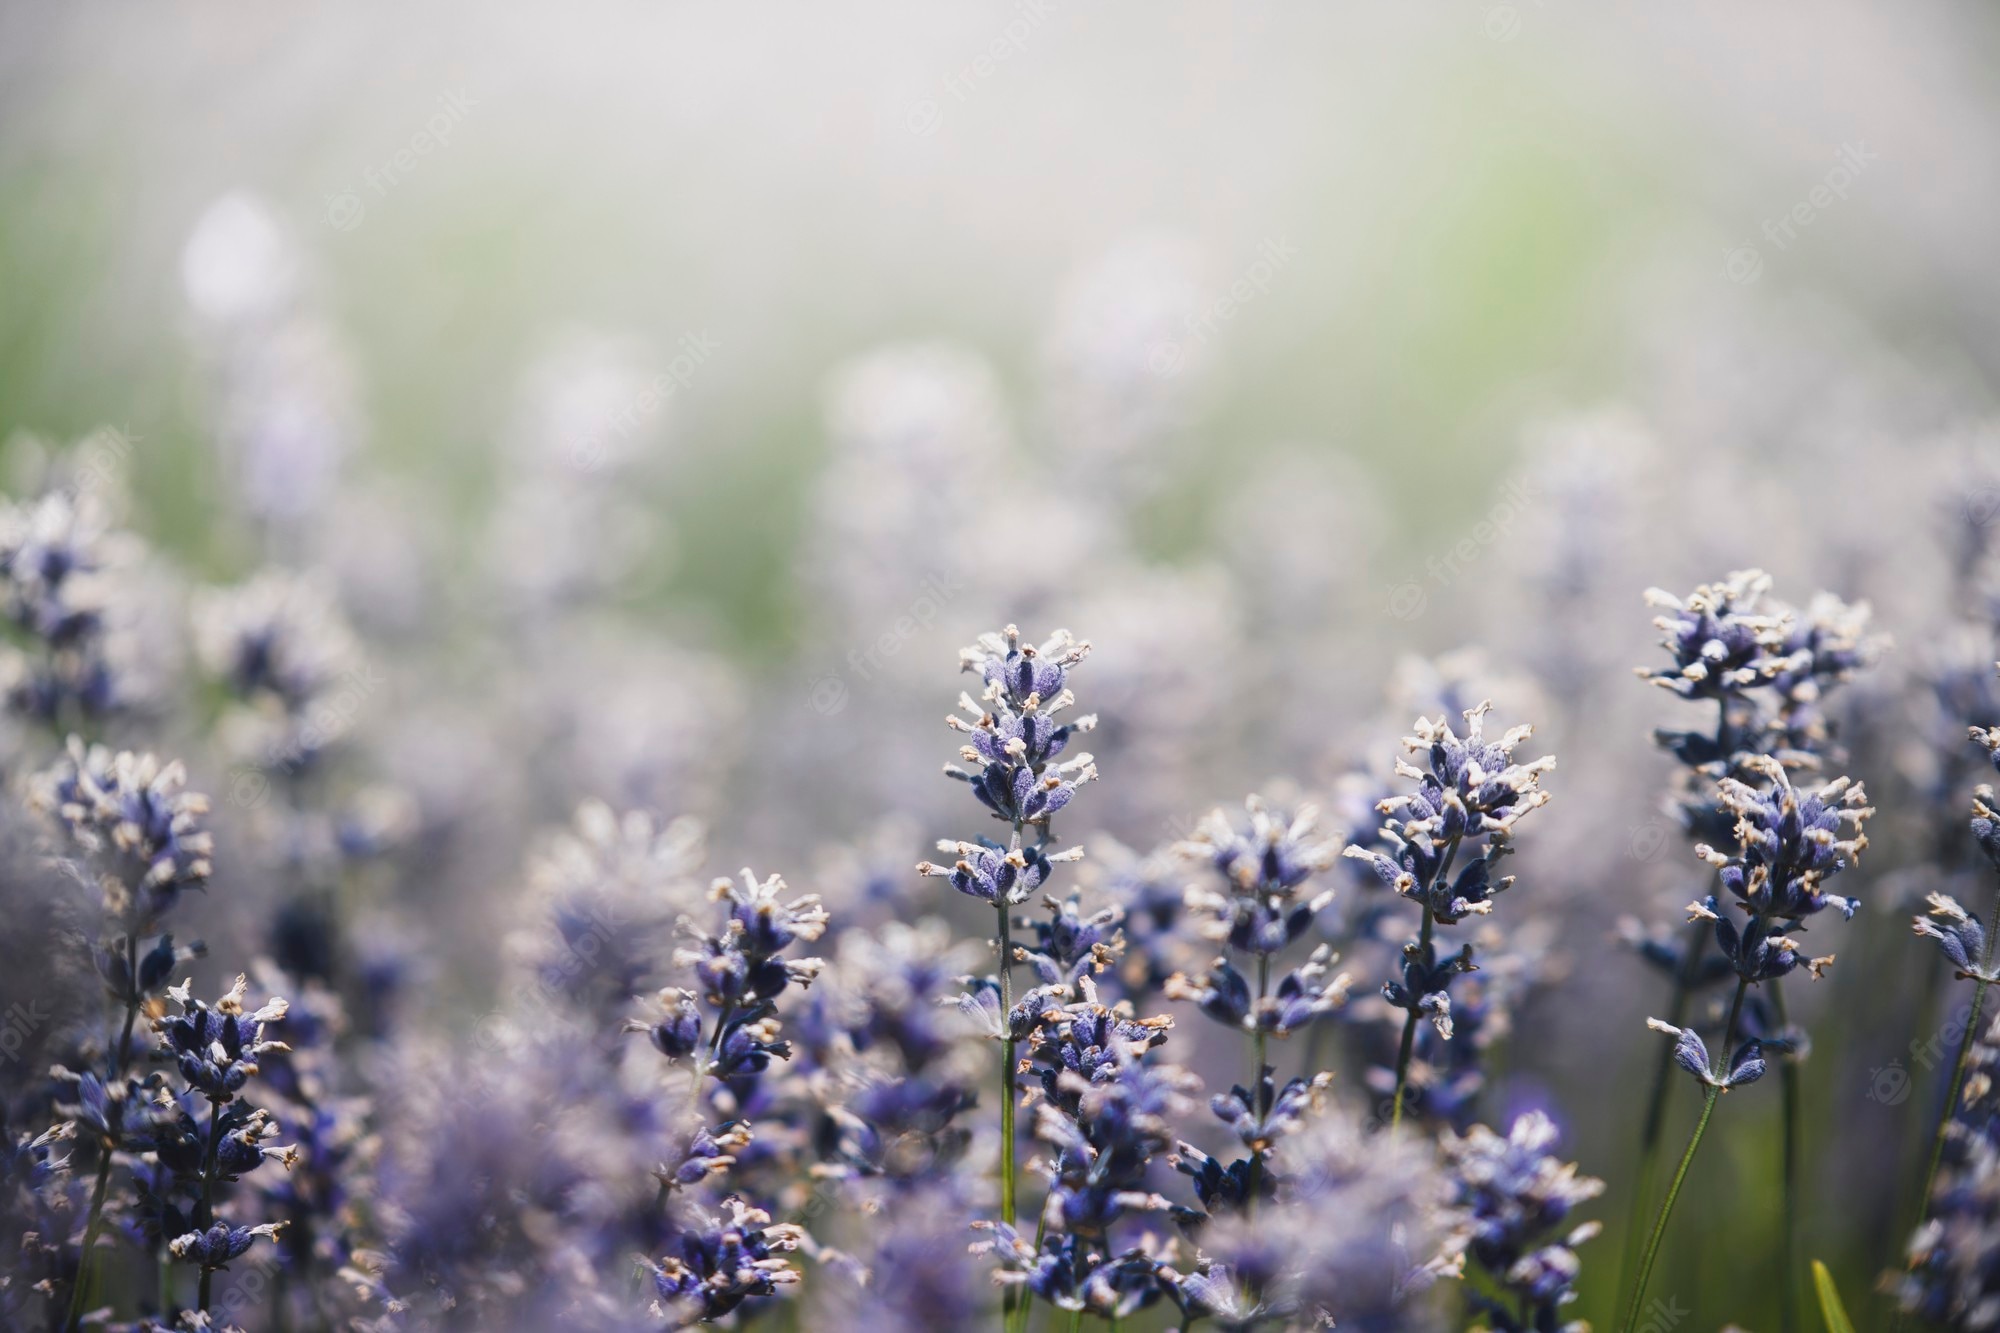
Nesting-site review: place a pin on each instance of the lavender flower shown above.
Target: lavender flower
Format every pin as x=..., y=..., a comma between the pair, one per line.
x=1470, y=794
x=141, y=834
x=717, y=1263
x=1516, y=1199
x=740, y=974
x=215, y=1049
x=57, y=557
x=1105, y=1110
x=1717, y=640
x=1016, y=772
x=1263, y=863
x=1015, y=740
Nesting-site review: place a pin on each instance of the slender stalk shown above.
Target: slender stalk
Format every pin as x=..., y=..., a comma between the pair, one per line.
x=1788, y=1080
x=1410, y=1020
x=1666, y=1210
x=1006, y=1073
x=1652, y=1135
x=90, y=1230
x=1951, y=1098
x=1014, y=1300
x=1075, y=1319
x=208, y=1193
x=1409, y=1038
x=1680, y=1174
x=1653, y=1132
x=1259, y=1044
x=131, y=1002
x=95, y=1223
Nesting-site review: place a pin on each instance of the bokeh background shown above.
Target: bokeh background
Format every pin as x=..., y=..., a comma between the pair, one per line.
x=666, y=393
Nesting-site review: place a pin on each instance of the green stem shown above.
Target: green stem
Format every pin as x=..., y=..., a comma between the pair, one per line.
x=1674, y=1190
x=79, y=1293
x=1409, y=1036
x=95, y=1222
x=1666, y=1211
x=1788, y=1079
x=1006, y=1072
x=1653, y=1133
x=1652, y=1136
x=1075, y=1319
x=1951, y=1098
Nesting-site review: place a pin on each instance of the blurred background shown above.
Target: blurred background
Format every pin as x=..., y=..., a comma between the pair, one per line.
x=665, y=393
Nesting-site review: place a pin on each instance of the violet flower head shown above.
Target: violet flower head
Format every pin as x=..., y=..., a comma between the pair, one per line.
x=1264, y=862
x=1960, y=936
x=141, y=833
x=1106, y=1111
x=1424, y=988
x=1469, y=796
x=717, y=1263
x=739, y=972
x=1014, y=741
x=214, y=1247
x=1746, y=1063
x=216, y=1047
x=1516, y=1199
x=57, y=552
x=995, y=874
x=1070, y=945
x=1719, y=640
x=1789, y=843
x=1303, y=995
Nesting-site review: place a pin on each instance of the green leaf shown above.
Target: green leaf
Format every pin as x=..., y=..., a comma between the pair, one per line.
x=1830, y=1307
